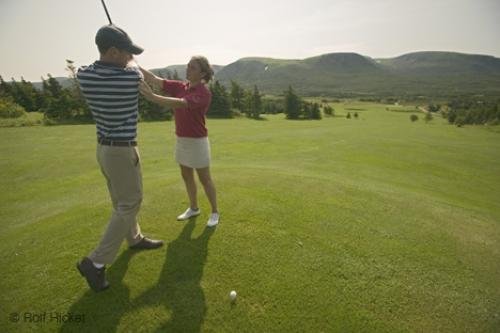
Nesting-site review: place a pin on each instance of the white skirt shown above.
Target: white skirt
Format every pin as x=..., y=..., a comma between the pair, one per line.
x=192, y=152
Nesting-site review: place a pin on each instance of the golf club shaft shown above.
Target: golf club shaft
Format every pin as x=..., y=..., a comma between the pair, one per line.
x=106, y=10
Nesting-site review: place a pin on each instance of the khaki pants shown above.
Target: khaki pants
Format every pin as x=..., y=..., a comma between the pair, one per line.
x=122, y=169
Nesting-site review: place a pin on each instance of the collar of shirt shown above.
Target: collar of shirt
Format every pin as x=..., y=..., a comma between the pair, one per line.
x=107, y=64
x=196, y=87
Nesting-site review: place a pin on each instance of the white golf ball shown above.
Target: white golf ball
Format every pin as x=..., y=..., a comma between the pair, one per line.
x=232, y=295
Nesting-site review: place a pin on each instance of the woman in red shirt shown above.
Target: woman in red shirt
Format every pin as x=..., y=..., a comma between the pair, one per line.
x=190, y=101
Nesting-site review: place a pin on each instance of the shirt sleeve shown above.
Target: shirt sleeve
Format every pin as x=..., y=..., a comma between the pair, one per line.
x=173, y=87
x=136, y=71
x=141, y=76
x=197, y=100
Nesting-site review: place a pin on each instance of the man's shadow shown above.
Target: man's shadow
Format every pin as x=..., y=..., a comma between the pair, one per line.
x=178, y=289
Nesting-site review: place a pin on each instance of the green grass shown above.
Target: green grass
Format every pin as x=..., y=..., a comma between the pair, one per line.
x=373, y=224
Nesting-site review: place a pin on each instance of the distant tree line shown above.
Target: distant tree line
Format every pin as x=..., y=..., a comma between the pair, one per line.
x=239, y=101
x=62, y=104
x=472, y=111
x=67, y=105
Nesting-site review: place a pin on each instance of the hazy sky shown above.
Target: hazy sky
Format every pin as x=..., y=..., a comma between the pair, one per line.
x=36, y=36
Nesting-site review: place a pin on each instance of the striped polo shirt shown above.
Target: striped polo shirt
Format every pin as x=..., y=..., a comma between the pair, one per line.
x=112, y=94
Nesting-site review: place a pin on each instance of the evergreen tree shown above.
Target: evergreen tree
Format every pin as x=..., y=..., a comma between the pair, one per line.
x=255, y=108
x=79, y=105
x=272, y=106
x=237, y=96
x=328, y=110
x=27, y=94
x=292, y=104
x=247, y=102
x=175, y=76
x=315, y=111
x=428, y=116
x=5, y=89
x=22, y=94
x=60, y=108
x=54, y=87
x=306, y=110
x=169, y=75
x=220, y=105
x=46, y=95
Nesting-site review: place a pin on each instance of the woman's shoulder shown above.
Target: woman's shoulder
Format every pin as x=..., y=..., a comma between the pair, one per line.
x=204, y=89
x=173, y=87
x=176, y=83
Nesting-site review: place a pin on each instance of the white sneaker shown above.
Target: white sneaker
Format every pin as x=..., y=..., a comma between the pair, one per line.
x=213, y=220
x=188, y=214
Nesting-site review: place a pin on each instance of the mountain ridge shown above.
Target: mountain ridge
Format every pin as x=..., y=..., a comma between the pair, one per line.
x=436, y=73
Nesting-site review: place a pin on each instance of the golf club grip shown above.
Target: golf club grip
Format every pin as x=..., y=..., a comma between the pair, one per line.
x=106, y=10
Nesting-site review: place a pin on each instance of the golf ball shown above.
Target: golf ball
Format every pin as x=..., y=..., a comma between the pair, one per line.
x=232, y=295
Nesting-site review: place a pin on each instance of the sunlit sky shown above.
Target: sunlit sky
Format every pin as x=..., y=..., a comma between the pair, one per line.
x=37, y=36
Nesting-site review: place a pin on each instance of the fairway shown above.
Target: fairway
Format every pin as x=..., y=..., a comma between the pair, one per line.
x=374, y=224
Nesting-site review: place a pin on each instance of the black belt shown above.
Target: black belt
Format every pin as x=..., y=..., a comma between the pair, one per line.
x=117, y=143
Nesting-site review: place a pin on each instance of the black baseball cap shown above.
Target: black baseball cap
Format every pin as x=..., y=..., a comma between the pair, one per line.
x=110, y=35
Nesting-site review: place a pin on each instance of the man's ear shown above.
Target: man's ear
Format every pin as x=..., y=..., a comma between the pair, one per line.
x=113, y=51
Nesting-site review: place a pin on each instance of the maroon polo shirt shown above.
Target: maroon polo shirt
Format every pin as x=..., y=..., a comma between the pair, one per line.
x=189, y=121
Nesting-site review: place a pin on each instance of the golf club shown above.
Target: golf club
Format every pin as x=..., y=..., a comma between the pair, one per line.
x=106, y=10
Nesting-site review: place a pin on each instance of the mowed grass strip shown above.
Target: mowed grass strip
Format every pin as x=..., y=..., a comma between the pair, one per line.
x=369, y=224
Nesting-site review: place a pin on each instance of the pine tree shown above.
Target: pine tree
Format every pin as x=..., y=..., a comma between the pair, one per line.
x=292, y=104
x=306, y=110
x=328, y=110
x=220, y=105
x=315, y=112
x=46, y=96
x=22, y=94
x=255, y=107
x=247, y=102
x=54, y=87
x=79, y=105
x=428, y=116
x=176, y=76
x=5, y=89
x=237, y=96
x=27, y=95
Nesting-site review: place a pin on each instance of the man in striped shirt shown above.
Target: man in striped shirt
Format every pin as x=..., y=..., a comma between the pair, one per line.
x=111, y=89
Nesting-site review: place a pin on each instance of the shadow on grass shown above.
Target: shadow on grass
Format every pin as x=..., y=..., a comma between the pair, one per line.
x=178, y=290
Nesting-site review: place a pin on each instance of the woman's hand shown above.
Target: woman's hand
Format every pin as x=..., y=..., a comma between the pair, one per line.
x=146, y=90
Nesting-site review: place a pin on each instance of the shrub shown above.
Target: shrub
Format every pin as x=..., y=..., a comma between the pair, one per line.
x=348, y=115
x=9, y=109
x=328, y=110
x=428, y=116
x=413, y=117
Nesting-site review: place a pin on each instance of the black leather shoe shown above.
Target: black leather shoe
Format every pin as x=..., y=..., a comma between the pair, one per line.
x=95, y=276
x=147, y=244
